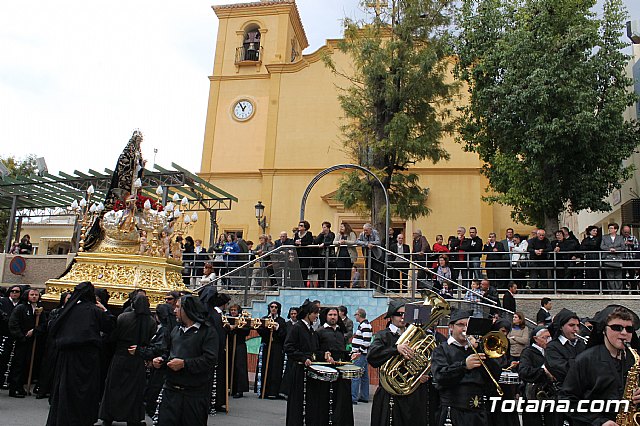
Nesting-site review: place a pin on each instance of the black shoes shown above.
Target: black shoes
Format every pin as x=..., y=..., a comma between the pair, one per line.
x=17, y=394
x=238, y=395
x=366, y=401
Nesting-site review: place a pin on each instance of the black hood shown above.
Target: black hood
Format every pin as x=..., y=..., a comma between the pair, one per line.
x=164, y=313
x=141, y=305
x=193, y=308
x=82, y=293
x=561, y=319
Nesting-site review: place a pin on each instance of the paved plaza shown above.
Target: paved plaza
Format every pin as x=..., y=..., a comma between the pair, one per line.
x=248, y=411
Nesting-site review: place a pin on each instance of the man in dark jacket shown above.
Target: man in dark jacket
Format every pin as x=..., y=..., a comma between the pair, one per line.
x=543, y=317
x=490, y=292
x=419, y=253
x=24, y=326
x=496, y=260
x=399, y=267
x=565, y=257
x=190, y=357
x=539, y=249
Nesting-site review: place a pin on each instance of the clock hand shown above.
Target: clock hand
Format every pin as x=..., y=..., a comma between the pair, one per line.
x=243, y=107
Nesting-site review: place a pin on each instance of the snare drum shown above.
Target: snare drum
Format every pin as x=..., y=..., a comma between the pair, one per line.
x=322, y=373
x=350, y=371
x=509, y=378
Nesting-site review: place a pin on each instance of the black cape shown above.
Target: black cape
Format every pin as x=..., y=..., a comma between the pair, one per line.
x=123, y=399
x=77, y=337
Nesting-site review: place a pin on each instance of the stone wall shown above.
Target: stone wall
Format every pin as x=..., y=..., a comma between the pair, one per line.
x=38, y=269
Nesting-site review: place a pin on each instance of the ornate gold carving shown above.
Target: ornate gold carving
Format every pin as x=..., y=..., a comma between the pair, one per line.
x=120, y=274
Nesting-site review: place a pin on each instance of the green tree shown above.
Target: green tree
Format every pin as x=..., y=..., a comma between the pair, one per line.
x=548, y=90
x=395, y=106
x=16, y=167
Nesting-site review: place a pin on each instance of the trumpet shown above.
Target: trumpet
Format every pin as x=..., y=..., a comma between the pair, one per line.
x=494, y=345
x=583, y=338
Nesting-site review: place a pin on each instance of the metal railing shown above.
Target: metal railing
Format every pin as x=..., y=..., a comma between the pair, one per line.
x=245, y=54
x=593, y=272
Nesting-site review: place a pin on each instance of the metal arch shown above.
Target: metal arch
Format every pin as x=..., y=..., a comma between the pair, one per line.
x=326, y=171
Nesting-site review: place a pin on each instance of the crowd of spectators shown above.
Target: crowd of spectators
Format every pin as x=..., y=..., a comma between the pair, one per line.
x=346, y=259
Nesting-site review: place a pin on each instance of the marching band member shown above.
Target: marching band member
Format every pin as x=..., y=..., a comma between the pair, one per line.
x=537, y=379
x=562, y=350
x=565, y=346
x=389, y=409
x=274, y=338
x=238, y=346
x=606, y=369
x=332, y=341
x=459, y=376
x=301, y=347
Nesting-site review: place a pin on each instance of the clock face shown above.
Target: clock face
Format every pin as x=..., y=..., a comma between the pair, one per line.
x=243, y=110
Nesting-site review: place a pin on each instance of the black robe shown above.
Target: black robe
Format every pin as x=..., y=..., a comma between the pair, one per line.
x=407, y=410
x=75, y=394
x=22, y=320
x=276, y=359
x=536, y=384
x=560, y=358
x=458, y=386
x=6, y=340
x=239, y=377
x=220, y=381
x=334, y=341
x=302, y=344
x=286, y=376
x=595, y=375
x=123, y=399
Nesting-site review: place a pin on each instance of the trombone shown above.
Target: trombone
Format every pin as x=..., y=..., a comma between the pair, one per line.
x=494, y=345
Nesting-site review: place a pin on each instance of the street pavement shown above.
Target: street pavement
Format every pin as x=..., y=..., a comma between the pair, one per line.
x=247, y=411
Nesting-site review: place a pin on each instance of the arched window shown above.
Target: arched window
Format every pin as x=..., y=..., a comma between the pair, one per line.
x=251, y=44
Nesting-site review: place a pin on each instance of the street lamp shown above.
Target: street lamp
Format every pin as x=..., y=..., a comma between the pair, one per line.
x=262, y=221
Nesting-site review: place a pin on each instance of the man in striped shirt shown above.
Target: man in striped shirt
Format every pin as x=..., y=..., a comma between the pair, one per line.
x=359, y=348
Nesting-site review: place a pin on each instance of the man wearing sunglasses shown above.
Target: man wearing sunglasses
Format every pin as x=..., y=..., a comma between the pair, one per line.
x=600, y=372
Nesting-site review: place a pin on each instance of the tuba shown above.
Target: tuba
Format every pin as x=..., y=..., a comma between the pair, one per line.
x=400, y=376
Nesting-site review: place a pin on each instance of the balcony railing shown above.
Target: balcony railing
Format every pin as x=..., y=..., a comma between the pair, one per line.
x=593, y=272
x=248, y=56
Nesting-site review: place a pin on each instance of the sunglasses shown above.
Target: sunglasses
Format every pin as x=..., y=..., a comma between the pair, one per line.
x=619, y=328
x=168, y=298
x=14, y=291
x=398, y=314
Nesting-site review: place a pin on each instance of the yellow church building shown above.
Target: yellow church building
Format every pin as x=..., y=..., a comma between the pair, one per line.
x=273, y=123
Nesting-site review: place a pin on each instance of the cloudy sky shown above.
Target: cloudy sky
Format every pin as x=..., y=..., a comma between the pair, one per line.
x=76, y=77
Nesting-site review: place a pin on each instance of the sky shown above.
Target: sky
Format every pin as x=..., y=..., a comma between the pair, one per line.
x=77, y=77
